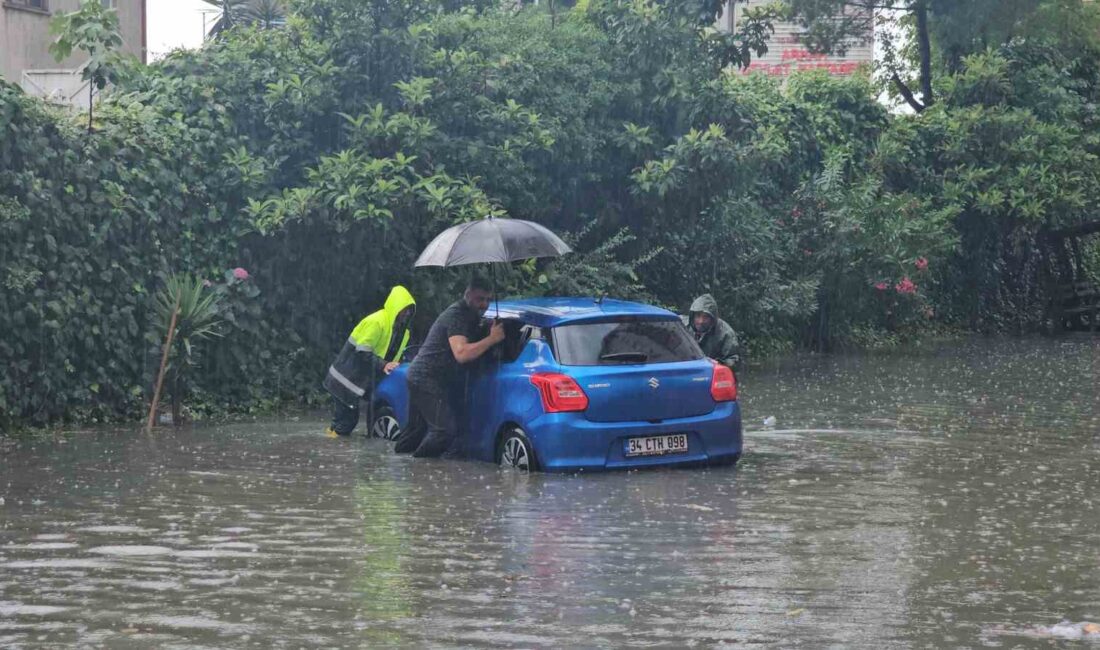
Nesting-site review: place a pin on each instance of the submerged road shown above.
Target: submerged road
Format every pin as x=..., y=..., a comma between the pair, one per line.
x=941, y=498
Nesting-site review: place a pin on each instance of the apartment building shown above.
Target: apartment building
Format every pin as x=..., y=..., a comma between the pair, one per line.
x=787, y=54
x=25, y=40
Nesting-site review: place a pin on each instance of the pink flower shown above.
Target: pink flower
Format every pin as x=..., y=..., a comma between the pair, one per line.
x=796, y=213
x=207, y=283
x=881, y=286
x=906, y=286
x=240, y=273
x=921, y=263
x=807, y=252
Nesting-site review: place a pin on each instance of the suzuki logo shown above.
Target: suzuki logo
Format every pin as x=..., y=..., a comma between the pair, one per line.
x=653, y=383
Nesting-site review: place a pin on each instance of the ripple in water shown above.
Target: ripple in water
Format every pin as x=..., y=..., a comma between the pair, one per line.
x=132, y=551
x=13, y=609
x=112, y=530
x=197, y=623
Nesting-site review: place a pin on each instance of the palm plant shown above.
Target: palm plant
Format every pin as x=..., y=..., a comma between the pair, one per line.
x=266, y=13
x=262, y=13
x=197, y=320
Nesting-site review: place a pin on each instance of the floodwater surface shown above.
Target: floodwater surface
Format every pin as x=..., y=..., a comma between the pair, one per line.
x=941, y=498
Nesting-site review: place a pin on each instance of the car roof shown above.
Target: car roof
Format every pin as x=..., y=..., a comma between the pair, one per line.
x=551, y=312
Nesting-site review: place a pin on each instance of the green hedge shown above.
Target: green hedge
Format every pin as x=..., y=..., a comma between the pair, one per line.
x=88, y=224
x=323, y=156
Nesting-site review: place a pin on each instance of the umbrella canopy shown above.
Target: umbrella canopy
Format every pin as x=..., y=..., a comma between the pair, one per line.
x=491, y=240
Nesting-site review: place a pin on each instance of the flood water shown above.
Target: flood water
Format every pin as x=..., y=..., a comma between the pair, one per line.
x=942, y=498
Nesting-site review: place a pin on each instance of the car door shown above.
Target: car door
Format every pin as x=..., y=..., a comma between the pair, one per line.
x=484, y=395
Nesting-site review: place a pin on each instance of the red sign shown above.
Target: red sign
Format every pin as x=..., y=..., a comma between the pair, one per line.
x=795, y=59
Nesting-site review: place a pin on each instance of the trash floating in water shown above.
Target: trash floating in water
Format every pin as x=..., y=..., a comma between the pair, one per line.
x=769, y=421
x=1065, y=630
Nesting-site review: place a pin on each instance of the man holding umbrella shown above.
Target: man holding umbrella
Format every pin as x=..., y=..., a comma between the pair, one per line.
x=449, y=344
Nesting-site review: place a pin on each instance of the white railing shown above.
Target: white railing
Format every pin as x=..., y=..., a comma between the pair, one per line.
x=60, y=87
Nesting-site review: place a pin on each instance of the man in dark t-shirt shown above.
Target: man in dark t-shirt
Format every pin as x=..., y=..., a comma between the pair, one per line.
x=431, y=426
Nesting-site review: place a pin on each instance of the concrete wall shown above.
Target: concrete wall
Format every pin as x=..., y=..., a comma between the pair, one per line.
x=25, y=35
x=786, y=54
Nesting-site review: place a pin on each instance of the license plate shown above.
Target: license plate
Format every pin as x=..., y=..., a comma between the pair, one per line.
x=676, y=443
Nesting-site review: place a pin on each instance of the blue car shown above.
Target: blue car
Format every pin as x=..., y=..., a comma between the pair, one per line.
x=581, y=384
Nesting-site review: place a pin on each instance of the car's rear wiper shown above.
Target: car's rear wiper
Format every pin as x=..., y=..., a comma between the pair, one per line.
x=626, y=357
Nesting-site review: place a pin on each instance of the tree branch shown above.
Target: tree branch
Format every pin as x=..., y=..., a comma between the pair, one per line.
x=874, y=5
x=906, y=93
x=924, y=47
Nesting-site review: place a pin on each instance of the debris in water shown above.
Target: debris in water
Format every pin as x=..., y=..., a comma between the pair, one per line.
x=1066, y=630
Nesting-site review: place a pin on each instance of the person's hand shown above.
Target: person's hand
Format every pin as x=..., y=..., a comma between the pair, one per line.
x=390, y=366
x=496, y=332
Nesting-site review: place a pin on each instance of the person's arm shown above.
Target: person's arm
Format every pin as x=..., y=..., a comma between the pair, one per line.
x=368, y=355
x=729, y=350
x=465, y=352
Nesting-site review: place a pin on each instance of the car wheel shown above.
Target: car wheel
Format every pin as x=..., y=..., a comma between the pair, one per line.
x=515, y=451
x=385, y=425
x=725, y=461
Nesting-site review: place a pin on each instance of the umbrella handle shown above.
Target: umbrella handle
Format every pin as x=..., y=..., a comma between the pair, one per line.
x=496, y=298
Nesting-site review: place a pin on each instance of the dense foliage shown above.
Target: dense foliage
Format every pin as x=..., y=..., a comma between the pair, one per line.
x=299, y=170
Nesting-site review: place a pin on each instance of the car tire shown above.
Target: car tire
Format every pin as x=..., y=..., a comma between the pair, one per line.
x=725, y=461
x=515, y=451
x=384, y=424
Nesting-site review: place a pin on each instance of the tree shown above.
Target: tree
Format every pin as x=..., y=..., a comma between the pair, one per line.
x=194, y=309
x=952, y=28
x=260, y=13
x=92, y=29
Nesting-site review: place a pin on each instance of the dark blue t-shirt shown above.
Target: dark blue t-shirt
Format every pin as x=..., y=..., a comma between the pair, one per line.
x=435, y=365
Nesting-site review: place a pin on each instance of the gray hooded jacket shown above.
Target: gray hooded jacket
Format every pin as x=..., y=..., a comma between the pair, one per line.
x=720, y=341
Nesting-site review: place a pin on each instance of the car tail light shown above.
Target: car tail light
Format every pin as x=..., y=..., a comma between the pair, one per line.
x=560, y=393
x=723, y=384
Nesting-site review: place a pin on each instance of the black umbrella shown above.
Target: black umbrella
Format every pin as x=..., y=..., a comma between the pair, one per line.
x=490, y=240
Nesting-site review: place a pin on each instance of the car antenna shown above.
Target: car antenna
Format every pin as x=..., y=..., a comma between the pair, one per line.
x=599, y=299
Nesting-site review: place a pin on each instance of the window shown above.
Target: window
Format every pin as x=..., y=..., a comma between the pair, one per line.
x=109, y=4
x=516, y=335
x=40, y=5
x=624, y=342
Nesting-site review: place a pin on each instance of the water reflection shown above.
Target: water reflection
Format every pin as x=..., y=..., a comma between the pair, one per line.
x=382, y=590
x=936, y=499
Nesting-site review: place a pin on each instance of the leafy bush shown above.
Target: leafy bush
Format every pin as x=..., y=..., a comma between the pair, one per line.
x=89, y=226
x=323, y=155
x=185, y=307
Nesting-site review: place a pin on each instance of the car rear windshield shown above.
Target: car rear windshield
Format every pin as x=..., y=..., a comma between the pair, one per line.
x=624, y=342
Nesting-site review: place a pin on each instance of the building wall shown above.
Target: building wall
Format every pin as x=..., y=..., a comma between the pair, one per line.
x=786, y=54
x=25, y=35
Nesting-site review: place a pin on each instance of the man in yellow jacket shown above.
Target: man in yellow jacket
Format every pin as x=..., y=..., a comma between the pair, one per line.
x=373, y=350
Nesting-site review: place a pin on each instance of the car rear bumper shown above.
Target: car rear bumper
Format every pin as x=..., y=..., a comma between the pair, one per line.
x=569, y=442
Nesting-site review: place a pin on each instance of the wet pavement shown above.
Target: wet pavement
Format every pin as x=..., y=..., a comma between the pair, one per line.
x=943, y=498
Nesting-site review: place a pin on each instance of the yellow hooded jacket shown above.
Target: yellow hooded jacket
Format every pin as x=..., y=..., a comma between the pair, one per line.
x=361, y=361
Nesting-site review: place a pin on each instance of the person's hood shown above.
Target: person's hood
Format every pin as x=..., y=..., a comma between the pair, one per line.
x=706, y=304
x=398, y=299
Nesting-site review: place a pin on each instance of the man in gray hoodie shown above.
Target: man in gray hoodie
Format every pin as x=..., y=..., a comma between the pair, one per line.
x=714, y=335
